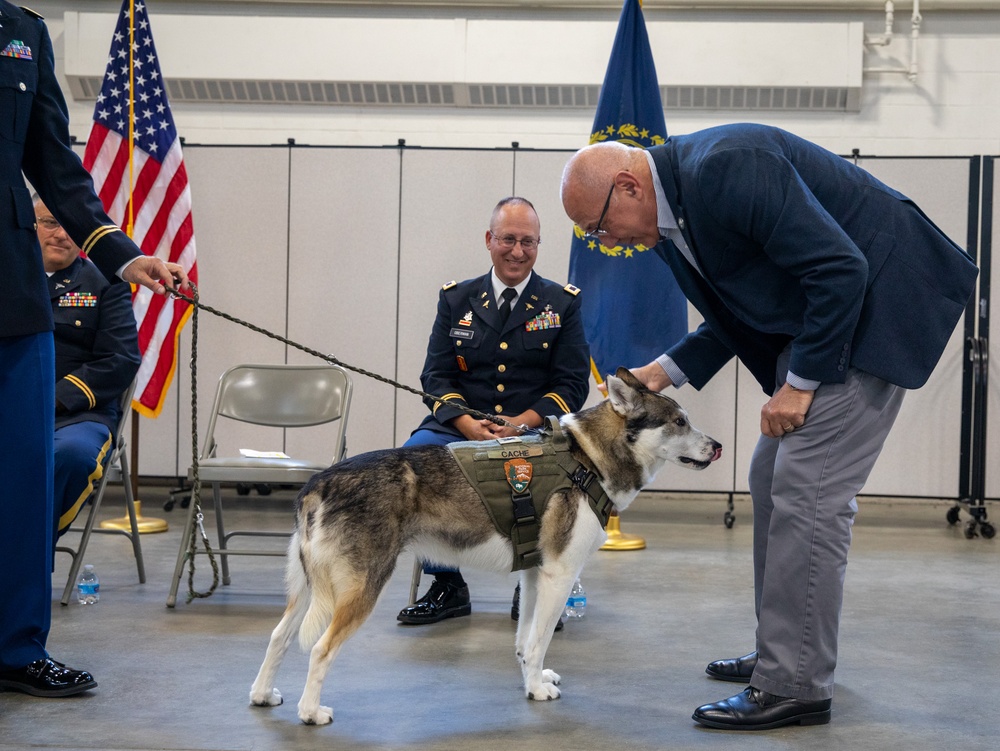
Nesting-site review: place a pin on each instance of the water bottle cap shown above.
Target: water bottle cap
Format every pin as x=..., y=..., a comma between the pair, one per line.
x=88, y=567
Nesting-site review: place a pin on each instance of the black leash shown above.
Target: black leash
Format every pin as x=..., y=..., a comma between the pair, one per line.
x=196, y=305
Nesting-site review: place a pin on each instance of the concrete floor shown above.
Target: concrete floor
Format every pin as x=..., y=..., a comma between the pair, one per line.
x=920, y=647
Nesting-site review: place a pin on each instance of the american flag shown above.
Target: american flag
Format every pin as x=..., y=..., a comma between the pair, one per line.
x=160, y=195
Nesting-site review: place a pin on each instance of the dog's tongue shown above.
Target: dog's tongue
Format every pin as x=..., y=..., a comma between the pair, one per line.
x=717, y=455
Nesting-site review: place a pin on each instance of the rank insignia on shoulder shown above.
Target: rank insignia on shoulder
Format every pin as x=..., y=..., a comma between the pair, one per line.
x=572, y=290
x=449, y=285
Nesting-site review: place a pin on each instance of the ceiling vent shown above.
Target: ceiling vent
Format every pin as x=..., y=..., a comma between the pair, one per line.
x=367, y=62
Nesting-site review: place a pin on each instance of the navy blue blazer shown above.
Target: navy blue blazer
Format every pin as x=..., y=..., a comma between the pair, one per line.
x=96, y=341
x=34, y=143
x=800, y=246
x=538, y=360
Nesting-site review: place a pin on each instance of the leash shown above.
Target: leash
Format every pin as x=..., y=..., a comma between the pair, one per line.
x=197, y=305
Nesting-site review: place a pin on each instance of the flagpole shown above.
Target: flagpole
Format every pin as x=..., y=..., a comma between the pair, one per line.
x=143, y=524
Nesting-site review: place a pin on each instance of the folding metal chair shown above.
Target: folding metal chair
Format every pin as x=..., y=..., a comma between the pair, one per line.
x=116, y=470
x=281, y=396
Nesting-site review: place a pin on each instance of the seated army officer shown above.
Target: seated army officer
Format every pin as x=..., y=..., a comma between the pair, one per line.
x=508, y=343
x=97, y=356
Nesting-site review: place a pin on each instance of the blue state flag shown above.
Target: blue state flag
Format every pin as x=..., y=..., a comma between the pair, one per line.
x=633, y=310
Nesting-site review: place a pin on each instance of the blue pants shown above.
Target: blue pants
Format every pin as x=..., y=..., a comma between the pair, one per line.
x=27, y=413
x=432, y=438
x=81, y=454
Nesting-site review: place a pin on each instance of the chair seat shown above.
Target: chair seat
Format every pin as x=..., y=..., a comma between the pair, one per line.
x=250, y=469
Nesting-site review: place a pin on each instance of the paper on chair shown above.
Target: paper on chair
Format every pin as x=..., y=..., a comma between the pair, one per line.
x=253, y=454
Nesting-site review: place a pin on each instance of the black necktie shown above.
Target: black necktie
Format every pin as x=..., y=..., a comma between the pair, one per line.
x=508, y=294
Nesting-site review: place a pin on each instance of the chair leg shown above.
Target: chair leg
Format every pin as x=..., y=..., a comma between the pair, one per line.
x=130, y=507
x=183, y=551
x=223, y=558
x=418, y=569
x=74, y=568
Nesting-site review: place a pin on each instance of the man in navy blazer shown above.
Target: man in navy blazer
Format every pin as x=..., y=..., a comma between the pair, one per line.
x=838, y=294
x=35, y=144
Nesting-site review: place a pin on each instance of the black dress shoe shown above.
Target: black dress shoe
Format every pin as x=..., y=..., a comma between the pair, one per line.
x=47, y=678
x=515, y=609
x=443, y=600
x=754, y=709
x=737, y=670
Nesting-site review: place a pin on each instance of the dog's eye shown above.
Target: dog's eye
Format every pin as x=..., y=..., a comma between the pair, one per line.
x=680, y=422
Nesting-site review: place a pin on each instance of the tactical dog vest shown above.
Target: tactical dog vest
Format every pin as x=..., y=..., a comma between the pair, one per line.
x=515, y=477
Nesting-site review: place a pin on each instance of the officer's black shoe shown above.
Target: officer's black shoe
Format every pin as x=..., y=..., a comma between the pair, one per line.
x=47, y=678
x=515, y=609
x=443, y=600
x=737, y=669
x=753, y=709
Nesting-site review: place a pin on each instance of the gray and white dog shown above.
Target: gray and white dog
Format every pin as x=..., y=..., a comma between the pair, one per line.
x=355, y=518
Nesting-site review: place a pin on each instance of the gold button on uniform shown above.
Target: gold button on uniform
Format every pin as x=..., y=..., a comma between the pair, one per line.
x=498, y=408
x=545, y=345
x=500, y=387
x=458, y=343
x=502, y=368
x=503, y=345
x=78, y=323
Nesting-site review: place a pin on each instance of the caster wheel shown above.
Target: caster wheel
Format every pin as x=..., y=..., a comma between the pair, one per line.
x=970, y=530
x=987, y=530
x=952, y=515
x=728, y=520
x=242, y=488
x=262, y=488
x=186, y=501
x=169, y=505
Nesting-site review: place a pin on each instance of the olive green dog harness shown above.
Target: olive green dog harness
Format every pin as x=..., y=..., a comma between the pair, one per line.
x=515, y=477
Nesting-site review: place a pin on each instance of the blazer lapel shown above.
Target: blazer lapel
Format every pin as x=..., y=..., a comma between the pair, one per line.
x=483, y=304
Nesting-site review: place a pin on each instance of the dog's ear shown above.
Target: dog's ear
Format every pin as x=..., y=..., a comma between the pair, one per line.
x=629, y=377
x=623, y=396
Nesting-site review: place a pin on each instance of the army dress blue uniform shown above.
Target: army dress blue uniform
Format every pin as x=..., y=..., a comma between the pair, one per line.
x=34, y=143
x=538, y=359
x=97, y=356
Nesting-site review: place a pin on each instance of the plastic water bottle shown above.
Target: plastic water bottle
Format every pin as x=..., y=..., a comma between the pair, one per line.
x=576, y=605
x=89, y=586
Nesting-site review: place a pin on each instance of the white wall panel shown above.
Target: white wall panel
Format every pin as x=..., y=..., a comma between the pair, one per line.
x=993, y=422
x=240, y=206
x=446, y=201
x=921, y=455
x=343, y=281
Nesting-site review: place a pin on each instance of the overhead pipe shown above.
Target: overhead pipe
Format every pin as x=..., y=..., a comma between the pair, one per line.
x=883, y=40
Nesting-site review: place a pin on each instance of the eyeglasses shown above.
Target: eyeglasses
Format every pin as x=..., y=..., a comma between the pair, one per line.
x=507, y=242
x=48, y=223
x=598, y=231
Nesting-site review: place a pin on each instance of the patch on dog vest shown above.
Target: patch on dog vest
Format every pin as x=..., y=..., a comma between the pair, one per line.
x=516, y=491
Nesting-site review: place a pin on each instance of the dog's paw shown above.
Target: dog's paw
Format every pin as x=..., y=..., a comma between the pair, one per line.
x=321, y=716
x=272, y=699
x=545, y=691
x=551, y=676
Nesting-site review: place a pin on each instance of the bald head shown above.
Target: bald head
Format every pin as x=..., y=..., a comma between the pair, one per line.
x=630, y=217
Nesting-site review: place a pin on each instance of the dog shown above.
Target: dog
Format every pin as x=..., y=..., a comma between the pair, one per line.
x=354, y=519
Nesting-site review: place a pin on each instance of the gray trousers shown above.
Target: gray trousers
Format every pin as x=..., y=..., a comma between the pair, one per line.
x=803, y=487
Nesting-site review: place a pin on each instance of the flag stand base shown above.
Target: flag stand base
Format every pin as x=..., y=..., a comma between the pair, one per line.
x=144, y=524
x=618, y=540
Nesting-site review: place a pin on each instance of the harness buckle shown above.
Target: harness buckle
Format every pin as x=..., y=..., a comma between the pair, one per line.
x=582, y=478
x=524, y=508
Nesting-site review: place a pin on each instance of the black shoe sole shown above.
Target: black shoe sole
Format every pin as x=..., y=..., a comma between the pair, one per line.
x=46, y=693
x=809, y=718
x=426, y=620
x=727, y=678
